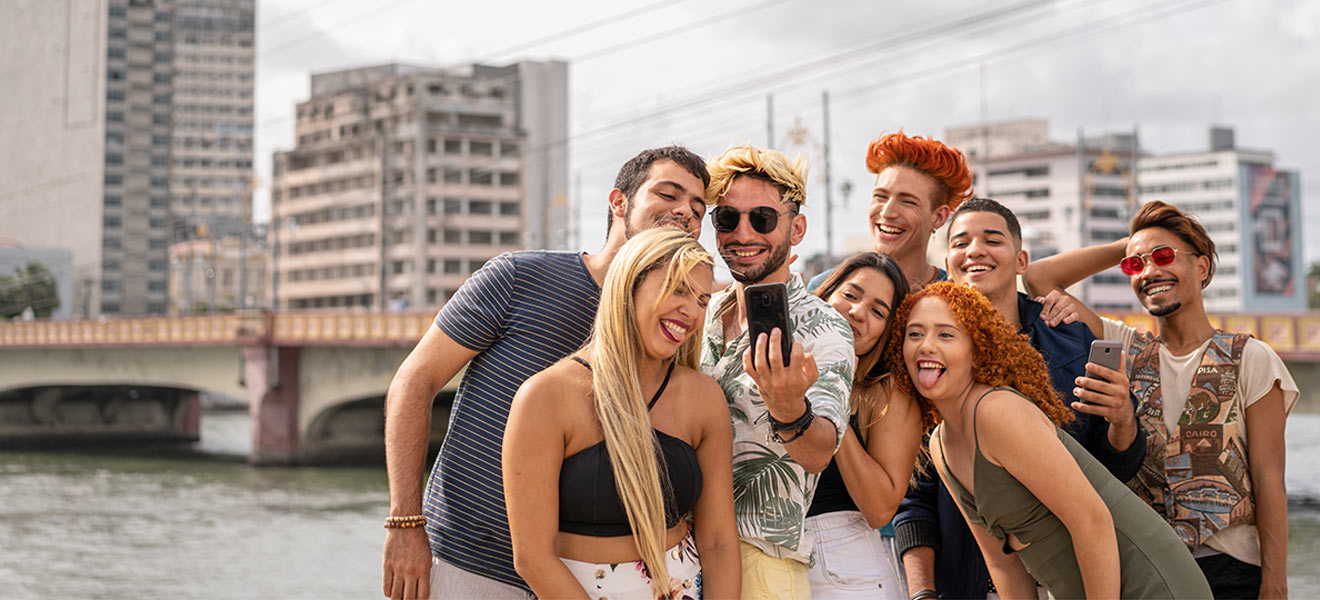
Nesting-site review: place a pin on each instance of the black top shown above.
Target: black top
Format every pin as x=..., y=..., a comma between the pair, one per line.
x=831, y=493
x=589, y=501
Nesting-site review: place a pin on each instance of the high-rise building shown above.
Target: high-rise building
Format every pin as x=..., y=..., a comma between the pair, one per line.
x=1066, y=195
x=406, y=179
x=1252, y=211
x=129, y=125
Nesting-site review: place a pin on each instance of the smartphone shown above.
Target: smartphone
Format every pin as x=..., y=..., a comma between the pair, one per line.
x=1106, y=353
x=767, y=309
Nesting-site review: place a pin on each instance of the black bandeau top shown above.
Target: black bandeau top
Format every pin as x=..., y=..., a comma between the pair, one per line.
x=589, y=501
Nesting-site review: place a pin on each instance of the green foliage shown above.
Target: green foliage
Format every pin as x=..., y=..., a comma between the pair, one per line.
x=1313, y=282
x=33, y=286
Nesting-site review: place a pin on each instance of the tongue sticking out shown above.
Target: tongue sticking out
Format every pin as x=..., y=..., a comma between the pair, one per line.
x=928, y=376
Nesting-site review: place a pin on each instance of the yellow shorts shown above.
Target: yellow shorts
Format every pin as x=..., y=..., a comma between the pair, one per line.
x=767, y=578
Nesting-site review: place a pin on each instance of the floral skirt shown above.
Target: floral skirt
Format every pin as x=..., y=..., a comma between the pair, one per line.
x=629, y=580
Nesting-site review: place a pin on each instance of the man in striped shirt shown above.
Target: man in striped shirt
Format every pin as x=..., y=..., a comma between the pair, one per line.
x=517, y=315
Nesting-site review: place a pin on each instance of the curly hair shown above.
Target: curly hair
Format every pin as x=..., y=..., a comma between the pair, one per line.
x=947, y=166
x=1000, y=356
x=790, y=178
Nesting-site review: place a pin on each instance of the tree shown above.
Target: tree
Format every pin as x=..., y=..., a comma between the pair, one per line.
x=1313, y=285
x=33, y=286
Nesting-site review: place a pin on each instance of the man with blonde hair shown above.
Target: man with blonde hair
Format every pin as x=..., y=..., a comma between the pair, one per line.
x=787, y=420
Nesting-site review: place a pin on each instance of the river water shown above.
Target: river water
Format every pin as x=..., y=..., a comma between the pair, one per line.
x=204, y=524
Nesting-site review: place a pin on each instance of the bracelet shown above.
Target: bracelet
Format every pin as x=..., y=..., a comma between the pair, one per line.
x=408, y=522
x=926, y=594
x=797, y=424
x=805, y=424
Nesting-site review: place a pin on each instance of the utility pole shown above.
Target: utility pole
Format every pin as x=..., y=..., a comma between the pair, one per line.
x=769, y=120
x=829, y=198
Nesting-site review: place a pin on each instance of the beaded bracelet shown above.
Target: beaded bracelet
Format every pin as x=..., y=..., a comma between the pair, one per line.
x=408, y=522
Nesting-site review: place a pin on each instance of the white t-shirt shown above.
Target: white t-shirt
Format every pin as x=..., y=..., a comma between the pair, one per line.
x=1261, y=367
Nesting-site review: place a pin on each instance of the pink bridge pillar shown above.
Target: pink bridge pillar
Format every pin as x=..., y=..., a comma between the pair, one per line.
x=271, y=374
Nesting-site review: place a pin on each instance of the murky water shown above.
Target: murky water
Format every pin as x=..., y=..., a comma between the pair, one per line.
x=204, y=525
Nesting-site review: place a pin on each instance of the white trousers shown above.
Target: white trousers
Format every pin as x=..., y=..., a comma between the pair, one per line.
x=850, y=559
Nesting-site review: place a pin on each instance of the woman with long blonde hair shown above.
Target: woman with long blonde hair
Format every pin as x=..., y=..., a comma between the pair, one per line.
x=1041, y=508
x=861, y=488
x=607, y=451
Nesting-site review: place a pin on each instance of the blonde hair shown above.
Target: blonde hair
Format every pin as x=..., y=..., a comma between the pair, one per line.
x=790, y=178
x=615, y=353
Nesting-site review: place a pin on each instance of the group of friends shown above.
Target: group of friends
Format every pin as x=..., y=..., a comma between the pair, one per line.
x=933, y=432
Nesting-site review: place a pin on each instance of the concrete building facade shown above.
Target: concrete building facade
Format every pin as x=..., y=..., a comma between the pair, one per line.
x=206, y=275
x=111, y=90
x=1252, y=211
x=406, y=179
x=1066, y=195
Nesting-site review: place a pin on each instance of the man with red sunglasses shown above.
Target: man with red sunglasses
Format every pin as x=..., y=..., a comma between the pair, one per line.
x=1212, y=405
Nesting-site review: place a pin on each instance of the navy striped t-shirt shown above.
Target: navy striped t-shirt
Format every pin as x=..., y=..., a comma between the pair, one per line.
x=522, y=311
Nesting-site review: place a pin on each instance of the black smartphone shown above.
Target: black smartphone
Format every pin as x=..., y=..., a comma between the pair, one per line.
x=1106, y=353
x=767, y=308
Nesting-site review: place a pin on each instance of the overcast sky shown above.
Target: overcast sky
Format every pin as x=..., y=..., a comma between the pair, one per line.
x=698, y=73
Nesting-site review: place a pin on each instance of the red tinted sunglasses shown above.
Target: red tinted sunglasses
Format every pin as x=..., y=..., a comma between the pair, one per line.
x=1161, y=256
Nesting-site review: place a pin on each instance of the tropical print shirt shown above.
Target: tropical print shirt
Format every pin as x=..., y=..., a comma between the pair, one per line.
x=771, y=492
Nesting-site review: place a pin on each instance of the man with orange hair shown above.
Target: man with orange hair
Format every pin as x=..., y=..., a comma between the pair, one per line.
x=918, y=184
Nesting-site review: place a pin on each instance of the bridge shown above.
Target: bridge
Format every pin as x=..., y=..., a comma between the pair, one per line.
x=314, y=381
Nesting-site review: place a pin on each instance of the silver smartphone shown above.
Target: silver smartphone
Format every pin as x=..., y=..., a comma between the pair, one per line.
x=1106, y=353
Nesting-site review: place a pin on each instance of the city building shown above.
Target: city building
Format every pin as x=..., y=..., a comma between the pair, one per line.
x=1066, y=194
x=406, y=179
x=139, y=122
x=206, y=276
x=1252, y=211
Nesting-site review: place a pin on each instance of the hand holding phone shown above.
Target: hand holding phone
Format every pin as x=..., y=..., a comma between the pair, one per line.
x=767, y=309
x=1106, y=353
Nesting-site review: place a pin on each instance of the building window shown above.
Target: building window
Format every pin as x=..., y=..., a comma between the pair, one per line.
x=158, y=202
x=479, y=237
x=508, y=238
x=156, y=265
x=508, y=149
x=114, y=179
x=481, y=148
x=510, y=209
x=110, y=307
x=453, y=236
x=114, y=201
x=480, y=177
x=453, y=265
x=113, y=222
x=453, y=146
x=157, y=286
x=156, y=243
x=112, y=243
x=480, y=207
x=453, y=206
x=510, y=178
x=453, y=175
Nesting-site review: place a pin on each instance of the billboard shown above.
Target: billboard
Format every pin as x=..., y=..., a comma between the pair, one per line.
x=1273, y=224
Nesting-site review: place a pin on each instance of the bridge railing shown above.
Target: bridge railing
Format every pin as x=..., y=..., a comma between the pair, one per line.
x=1295, y=336
x=255, y=327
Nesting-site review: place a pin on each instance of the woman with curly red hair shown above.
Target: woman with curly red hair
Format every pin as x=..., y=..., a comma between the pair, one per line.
x=1037, y=503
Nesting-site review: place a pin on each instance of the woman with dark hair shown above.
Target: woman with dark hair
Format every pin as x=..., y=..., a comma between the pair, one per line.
x=1038, y=504
x=863, y=484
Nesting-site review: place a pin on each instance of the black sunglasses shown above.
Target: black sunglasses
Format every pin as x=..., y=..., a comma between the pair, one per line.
x=763, y=218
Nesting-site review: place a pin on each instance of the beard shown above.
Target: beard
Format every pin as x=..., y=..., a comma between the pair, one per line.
x=1164, y=311
x=778, y=256
x=664, y=220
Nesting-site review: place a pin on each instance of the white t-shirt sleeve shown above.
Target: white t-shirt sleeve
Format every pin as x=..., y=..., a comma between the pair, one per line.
x=1118, y=331
x=1261, y=367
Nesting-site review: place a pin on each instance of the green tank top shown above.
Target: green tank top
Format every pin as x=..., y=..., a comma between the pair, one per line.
x=1153, y=562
